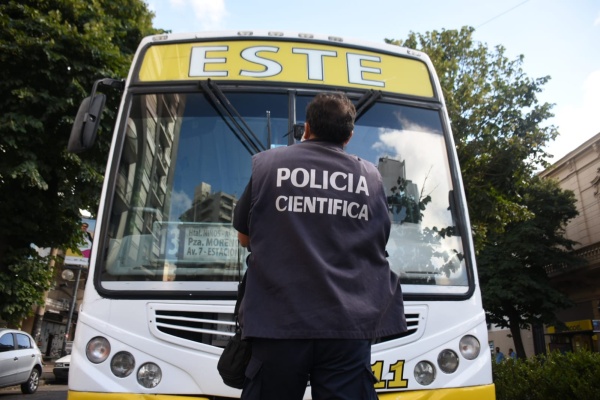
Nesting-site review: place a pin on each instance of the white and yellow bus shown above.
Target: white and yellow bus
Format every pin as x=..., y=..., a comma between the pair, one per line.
x=165, y=265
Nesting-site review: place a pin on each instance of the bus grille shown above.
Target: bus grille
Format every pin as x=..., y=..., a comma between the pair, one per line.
x=194, y=325
x=190, y=325
x=412, y=325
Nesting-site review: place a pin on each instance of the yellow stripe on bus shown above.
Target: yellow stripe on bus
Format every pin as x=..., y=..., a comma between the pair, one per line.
x=285, y=62
x=72, y=395
x=487, y=392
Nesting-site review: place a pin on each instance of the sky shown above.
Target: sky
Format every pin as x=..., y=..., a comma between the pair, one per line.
x=558, y=38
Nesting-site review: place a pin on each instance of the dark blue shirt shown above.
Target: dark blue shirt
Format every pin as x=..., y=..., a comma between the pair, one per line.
x=318, y=223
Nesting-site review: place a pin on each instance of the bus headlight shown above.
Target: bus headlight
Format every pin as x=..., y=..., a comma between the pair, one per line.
x=122, y=364
x=97, y=349
x=424, y=373
x=469, y=347
x=448, y=361
x=149, y=375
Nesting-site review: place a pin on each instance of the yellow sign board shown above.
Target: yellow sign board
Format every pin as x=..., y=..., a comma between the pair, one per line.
x=574, y=326
x=286, y=62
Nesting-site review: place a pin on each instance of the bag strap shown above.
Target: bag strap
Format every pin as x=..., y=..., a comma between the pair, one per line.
x=240, y=296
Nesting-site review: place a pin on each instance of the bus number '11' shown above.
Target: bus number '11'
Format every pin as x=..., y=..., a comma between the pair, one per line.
x=397, y=371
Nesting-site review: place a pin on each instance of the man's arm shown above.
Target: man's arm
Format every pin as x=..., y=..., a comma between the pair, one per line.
x=241, y=214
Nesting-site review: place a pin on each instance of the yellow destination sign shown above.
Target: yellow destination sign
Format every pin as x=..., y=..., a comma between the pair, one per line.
x=285, y=62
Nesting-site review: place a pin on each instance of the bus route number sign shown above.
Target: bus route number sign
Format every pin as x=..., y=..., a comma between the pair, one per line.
x=209, y=243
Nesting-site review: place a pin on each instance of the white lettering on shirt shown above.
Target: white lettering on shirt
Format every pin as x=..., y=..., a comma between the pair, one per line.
x=337, y=180
x=322, y=205
x=325, y=181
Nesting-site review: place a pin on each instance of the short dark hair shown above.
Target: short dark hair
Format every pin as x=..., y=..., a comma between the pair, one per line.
x=331, y=117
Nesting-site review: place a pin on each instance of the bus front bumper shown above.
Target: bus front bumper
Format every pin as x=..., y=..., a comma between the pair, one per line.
x=487, y=392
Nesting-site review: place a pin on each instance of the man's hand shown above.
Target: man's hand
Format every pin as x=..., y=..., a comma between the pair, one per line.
x=243, y=239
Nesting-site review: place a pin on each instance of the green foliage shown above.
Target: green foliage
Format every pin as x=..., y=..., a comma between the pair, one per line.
x=516, y=289
x=26, y=279
x=512, y=264
x=555, y=376
x=51, y=52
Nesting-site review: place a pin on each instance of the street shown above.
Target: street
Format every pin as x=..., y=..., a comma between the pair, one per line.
x=45, y=392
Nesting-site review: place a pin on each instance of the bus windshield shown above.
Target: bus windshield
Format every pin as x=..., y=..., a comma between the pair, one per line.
x=185, y=162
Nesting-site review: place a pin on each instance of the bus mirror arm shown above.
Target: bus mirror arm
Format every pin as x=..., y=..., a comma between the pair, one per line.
x=87, y=121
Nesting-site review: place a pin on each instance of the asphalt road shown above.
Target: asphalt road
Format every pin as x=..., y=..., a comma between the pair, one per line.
x=44, y=392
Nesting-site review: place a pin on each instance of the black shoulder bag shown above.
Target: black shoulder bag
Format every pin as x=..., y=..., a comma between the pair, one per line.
x=236, y=355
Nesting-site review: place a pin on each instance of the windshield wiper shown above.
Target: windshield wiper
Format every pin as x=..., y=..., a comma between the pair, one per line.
x=231, y=117
x=365, y=102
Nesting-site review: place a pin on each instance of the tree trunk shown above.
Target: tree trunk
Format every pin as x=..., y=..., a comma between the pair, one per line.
x=515, y=331
x=36, y=331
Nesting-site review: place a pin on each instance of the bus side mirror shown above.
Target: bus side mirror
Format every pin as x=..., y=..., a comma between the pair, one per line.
x=87, y=121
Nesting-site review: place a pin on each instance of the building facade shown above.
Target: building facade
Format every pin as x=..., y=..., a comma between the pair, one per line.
x=578, y=171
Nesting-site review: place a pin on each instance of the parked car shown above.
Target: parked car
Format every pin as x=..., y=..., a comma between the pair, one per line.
x=20, y=360
x=61, y=368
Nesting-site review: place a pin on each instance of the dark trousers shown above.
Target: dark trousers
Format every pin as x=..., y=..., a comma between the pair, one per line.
x=280, y=369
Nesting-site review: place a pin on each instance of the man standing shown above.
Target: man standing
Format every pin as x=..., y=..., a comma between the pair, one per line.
x=319, y=287
x=499, y=356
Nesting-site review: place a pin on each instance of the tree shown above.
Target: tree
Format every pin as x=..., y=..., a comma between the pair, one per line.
x=496, y=120
x=51, y=51
x=512, y=265
x=499, y=130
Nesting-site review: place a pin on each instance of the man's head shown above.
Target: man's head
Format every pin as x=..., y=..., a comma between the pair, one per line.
x=330, y=117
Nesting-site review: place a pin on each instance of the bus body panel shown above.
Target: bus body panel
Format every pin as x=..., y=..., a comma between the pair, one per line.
x=189, y=368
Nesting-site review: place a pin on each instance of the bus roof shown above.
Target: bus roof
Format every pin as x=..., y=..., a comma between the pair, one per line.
x=292, y=58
